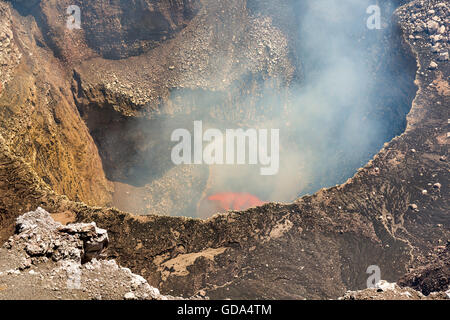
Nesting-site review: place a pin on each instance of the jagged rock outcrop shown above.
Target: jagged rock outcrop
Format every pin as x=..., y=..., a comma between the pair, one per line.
x=47, y=260
x=41, y=237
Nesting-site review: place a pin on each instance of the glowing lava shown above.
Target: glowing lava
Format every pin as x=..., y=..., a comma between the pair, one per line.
x=222, y=202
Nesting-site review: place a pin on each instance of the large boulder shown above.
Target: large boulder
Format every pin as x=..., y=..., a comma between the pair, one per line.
x=40, y=236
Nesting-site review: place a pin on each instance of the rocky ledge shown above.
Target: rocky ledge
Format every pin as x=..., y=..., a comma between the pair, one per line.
x=47, y=260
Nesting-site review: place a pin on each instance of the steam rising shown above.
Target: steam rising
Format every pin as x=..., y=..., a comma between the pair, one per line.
x=353, y=96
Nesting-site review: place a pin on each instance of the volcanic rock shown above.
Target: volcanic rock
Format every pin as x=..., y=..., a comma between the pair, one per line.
x=432, y=277
x=39, y=238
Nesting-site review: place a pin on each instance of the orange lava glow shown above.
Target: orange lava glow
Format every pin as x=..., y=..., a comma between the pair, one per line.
x=221, y=202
